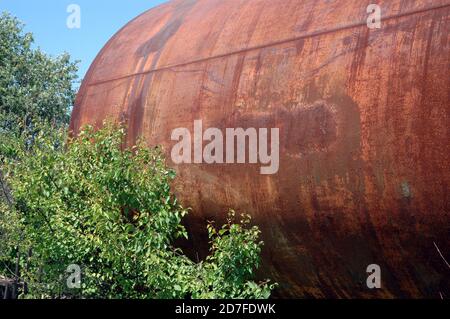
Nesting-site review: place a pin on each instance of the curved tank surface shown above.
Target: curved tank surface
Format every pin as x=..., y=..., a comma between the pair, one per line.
x=363, y=120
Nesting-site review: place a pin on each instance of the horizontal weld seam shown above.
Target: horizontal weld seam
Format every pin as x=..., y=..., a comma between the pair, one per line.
x=271, y=44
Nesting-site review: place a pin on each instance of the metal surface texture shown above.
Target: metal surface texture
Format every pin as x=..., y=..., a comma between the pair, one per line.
x=364, y=130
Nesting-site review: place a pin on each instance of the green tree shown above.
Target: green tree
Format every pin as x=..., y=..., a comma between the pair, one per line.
x=34, y=88
x=109, y=209
x=33, y=85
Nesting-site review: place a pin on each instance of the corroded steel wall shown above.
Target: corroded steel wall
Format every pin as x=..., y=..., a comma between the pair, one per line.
x=364, y=130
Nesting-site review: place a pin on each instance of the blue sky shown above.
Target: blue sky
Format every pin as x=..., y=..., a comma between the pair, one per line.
x=100, y=19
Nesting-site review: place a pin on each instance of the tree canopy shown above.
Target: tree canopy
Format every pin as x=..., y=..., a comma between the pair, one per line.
x=33, y=85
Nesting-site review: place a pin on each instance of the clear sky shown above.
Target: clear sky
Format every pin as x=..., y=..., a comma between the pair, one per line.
x=100, y=19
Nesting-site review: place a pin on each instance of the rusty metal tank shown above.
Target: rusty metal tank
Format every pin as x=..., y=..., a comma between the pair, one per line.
x=363, y=115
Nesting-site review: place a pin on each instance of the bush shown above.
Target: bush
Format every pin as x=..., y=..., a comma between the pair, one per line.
x=109, y=209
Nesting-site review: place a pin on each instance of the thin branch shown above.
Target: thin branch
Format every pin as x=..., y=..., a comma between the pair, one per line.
x=5, y=190
x=442, y=256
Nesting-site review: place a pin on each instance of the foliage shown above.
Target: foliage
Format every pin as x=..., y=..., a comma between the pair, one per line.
x=108, y=208
x=34, y=87
x=235, y=253
x=32, y=84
